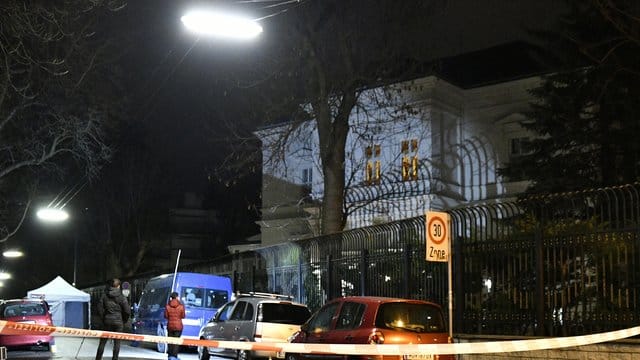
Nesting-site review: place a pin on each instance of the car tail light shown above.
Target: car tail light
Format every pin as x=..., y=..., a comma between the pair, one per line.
x=376, y=337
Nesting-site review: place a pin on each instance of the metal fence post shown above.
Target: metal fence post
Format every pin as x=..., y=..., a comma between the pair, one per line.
x=329, y=278
x=236, y=281
x=539, y=249
x=253, y=278
x=300, y=279
x=407, y=270
x=364, y=264
x=458, y=273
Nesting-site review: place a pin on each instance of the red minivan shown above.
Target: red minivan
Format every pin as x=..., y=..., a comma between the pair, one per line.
x=32, y=311
x=374, y=320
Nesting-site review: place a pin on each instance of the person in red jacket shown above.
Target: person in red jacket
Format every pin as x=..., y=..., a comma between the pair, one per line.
x=174, y=313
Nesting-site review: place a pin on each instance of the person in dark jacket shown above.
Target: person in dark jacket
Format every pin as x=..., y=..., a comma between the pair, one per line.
x=114, y=311
x=174, y=313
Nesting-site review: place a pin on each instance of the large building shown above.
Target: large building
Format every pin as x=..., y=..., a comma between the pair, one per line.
x=461, y=126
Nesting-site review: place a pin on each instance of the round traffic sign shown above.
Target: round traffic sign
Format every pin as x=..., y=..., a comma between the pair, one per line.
x=437, y=230
x=126, y=289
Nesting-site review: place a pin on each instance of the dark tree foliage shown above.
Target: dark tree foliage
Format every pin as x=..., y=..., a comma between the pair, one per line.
x=585, y=115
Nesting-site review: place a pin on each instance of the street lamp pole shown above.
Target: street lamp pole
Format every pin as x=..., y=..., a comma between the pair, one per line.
x=75, y=258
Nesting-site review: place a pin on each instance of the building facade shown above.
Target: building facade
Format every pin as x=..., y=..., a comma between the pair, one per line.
x=429, y=145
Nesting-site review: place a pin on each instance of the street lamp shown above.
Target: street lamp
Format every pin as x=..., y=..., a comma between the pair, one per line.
x=12, y=253
x=221, y=24
x=52, y=214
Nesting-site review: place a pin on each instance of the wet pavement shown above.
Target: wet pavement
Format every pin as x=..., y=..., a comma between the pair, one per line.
x=72, y=348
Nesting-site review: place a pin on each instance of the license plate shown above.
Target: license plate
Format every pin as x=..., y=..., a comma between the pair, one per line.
x=418, y=357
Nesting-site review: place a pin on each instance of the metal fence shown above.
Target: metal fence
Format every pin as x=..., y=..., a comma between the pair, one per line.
x=560, y=264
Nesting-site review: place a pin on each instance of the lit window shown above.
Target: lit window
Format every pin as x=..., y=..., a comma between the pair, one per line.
x=409, y=159
x=373, y=171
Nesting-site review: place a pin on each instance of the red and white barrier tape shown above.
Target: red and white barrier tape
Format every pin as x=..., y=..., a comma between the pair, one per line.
x=16, y=328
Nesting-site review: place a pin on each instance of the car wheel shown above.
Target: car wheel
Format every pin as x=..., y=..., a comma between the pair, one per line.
x=243, y=355
x=203, y=353
x=161, y=347
x=289, y=356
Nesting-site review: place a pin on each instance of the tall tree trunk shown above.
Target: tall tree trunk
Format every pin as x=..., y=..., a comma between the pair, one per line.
x=332, y=132
x=332, y=204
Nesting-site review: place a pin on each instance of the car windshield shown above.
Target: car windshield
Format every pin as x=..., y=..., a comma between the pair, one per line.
x=411, y=317
x=24, y=309
x=283, y=313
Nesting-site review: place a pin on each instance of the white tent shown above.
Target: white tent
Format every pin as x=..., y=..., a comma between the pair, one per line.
x=69, y=306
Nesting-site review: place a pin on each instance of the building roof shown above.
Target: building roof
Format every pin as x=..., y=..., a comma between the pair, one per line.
x=505, y=62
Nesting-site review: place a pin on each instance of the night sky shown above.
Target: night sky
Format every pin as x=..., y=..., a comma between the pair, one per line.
x=179, y=84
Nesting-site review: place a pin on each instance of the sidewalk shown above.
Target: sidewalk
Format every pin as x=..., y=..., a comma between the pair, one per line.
x=72, y=348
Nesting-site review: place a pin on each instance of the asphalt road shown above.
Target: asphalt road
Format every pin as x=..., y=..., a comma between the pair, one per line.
x=71, y=348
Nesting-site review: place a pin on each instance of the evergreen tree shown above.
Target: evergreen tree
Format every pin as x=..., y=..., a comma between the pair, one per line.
x=585, y=115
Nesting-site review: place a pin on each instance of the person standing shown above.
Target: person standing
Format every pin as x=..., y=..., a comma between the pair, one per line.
x=174, y=313
x=114, y=311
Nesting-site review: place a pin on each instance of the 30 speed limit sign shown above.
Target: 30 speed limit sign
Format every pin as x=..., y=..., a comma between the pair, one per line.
x=438, y=236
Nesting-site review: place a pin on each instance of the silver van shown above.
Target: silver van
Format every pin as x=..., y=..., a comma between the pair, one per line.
x=255, y=317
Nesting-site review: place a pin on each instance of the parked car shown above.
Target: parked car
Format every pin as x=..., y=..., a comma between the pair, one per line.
x=374, y=320
x=32, y=311
x=256, y=317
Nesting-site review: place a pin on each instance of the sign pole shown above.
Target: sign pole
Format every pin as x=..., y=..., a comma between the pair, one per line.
x=175, y=272
x=450, y=266
x=438, y=249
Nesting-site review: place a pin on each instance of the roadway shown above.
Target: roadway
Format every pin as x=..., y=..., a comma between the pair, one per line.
x=72, y=348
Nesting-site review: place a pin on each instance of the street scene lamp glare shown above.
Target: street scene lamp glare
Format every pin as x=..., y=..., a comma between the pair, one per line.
x=52, y=215
x=220, y=24
x=5, y=275
x=13, y=253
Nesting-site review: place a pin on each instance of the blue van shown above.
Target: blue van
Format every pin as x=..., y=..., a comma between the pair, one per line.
x=201, y=294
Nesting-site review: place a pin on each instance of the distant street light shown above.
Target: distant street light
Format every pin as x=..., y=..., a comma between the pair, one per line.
x=5, y=275
x=52, y=214
x=220, y=24
x=12, y=253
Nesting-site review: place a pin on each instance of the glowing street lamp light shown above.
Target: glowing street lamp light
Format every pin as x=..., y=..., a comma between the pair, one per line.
x=220, y=24
x=52, y=215
x=12, y=253
x=4, y=275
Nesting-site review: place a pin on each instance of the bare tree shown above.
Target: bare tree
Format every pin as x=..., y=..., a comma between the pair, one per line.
x=621, y=19
x=51, y=107
x=384, y=157
x=129, y=209
x=327, y=55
